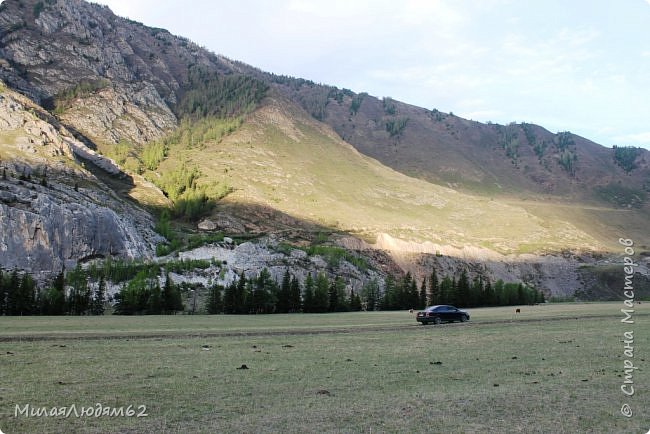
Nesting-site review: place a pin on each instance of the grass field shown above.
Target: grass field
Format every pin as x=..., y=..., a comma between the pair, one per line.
x=552, y=368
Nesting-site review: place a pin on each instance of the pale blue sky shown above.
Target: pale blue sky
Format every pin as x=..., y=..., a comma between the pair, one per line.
x=579, y=65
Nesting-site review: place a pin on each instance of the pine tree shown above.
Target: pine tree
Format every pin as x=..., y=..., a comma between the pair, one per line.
x=53, y=300
x=355, y=301
x=284, y=293
x=229, y=298
x=341, y=298
x=488, y=297
x=25, y=301
x=13, y=293
x=422, y=301
x=476, y=292
x=333, y=304
x=500, y=297
x=215, y=303
x=171, y=297
x=308, y=295
x=241, y=294
x=390, y=296
x=294, y=295
x=99, y=297
x=3, y=294
x=154, y=305
x=446, y=290
x=521, y=297
x=462, y=291
x=408, y=292
x=321, y=299
x=434, y=289
x=370, y=293
x=262, y=293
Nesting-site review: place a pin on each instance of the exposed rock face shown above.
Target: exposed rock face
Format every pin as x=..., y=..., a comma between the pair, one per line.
x=44, y=231
x=252, y=258
x=53, y=212
x=86, y=43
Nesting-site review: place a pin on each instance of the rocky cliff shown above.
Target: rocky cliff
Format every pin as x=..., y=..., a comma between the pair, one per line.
x=53, y=211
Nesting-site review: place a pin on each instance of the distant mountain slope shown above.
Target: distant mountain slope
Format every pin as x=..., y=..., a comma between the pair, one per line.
x=348, y=161
x=129, y=81
x=283, y=158
x=517, y=159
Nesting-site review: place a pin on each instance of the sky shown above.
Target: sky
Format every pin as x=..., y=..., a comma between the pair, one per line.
x=581, y=65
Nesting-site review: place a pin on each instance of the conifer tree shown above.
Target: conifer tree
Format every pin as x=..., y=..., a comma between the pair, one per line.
x=171, y=297
x=25, y=300
x=284, y=293
x=446, y=290
x=462, y=290
x=422, y=302
x=390, y=297
x=294, y=295
x=321, y=299
x=154, y=304
x=355, y=301
x=488, y=297
x=241, y=294
x=230, y=297
x=308, y=295
x=370, y=293
x=99, y=297
x=434, y=289
x=3, y=294
x=215, y=304
x=13, y=293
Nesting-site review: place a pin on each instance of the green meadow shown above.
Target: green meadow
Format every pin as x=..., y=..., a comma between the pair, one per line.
x=551, y=368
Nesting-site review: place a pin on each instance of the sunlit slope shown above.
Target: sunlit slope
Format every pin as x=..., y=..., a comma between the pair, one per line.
x=283, y=158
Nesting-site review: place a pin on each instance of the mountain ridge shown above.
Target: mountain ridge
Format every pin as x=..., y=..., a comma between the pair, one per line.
x=375, y=167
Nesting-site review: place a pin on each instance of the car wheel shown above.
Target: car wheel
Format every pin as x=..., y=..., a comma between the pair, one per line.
x=424, y=323
x=437, y=320
x=463, y=318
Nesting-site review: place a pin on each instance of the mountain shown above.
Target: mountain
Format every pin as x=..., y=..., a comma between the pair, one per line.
x=295, y=159
x=54, y=213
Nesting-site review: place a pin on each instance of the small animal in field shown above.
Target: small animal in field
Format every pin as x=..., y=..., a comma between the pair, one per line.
x=517, y=310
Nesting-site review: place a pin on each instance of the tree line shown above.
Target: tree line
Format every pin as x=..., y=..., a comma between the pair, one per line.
x=20, y=295
x=83, y=292
x=262, y=294
x=456, y=290
x=321, y=294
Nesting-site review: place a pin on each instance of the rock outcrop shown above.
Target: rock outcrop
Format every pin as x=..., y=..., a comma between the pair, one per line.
x=54, y=212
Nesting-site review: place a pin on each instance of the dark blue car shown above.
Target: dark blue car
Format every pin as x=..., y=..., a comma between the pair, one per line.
x=441, y=313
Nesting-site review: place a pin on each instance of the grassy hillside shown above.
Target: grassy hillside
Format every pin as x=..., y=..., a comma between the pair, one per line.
x=348, y=161
x=282, y=158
